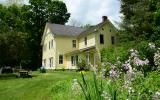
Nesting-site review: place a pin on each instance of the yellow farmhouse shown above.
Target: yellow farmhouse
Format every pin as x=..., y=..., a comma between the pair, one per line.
x=63, y=45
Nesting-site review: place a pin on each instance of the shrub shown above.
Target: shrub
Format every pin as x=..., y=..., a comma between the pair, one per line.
x=42, y=70
x=111, y=54
x=82, y=65
x=7, y=70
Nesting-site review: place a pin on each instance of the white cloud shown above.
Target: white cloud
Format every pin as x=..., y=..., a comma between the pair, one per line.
x=91, y=11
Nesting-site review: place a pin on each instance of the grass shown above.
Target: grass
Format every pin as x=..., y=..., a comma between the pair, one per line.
x=54, y=85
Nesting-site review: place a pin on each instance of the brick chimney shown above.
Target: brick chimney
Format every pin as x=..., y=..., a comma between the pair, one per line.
x=104, y=18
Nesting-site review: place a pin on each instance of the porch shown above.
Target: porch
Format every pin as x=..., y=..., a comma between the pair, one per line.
x=88, y=54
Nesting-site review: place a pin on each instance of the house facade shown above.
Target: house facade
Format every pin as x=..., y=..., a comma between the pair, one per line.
x=63, y=46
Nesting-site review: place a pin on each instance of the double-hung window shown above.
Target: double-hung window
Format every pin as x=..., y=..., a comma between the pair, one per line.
x=60, y=59
x=101, y=38
x=74, y=60
x=112, y=40
x=51, y=43
x=74, y=43
x=85, y=40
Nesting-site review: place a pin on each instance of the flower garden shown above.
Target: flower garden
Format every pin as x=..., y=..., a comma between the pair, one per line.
x=124, y=74
x=129, y=72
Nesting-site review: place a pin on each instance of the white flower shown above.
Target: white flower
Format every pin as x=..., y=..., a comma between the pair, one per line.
x=131, y=50
x=75, y=86
x=158, y=94
x=106, y=95
x=152, y=45
x=139, y=62
x=157, y=59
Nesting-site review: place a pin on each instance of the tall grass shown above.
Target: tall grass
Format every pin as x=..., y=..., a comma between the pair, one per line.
x=93, y=89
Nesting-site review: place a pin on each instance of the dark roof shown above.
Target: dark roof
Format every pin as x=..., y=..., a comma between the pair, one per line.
x=92, y=29
x=65, y=30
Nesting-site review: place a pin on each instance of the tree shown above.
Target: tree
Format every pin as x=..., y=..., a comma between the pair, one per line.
x=138, y=19
x=86, y=26
x=29, y=21
x=13, y=48
x=74, y=22
x=39, y=12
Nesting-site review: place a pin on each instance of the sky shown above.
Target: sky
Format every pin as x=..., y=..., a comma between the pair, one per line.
x=91, y=11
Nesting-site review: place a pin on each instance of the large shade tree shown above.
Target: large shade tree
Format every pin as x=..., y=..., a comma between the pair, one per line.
x=140, y=19
x=30, y=20
x=42, y=11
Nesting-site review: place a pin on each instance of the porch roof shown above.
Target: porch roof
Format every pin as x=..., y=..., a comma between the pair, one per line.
x=80, y=50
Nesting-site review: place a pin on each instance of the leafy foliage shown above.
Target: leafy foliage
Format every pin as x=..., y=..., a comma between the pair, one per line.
x=82, y=65
x=42, y=70
x=140, y=20
x=25, y=24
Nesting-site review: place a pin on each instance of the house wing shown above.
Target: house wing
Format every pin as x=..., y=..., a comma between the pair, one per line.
x=96, y=27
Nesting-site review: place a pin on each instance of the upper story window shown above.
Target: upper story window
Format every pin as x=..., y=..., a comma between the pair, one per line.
x=85, y=40
x=51, y=43
x=74, y=43
x=101, y=38
x=113, y=40
x=60, y=59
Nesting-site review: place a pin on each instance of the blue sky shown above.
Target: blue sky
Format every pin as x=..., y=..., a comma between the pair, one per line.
x=91, y=11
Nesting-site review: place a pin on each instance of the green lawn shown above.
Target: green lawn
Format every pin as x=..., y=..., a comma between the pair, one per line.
x=54, y=85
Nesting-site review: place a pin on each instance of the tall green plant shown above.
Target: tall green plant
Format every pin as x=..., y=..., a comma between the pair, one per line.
x=95, y=89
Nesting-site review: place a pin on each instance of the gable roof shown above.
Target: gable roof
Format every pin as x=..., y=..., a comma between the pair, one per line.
x=65, y=30
x=96, y=27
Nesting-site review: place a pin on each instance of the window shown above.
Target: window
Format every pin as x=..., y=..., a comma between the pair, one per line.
x=101, y=38
x=74, y=43
x=74, y=60
x=51, y=43
x=51, y=62
x=44, y=63
x=60, y=59
x=110, y=30
x=112, y=40
x=85, y=40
